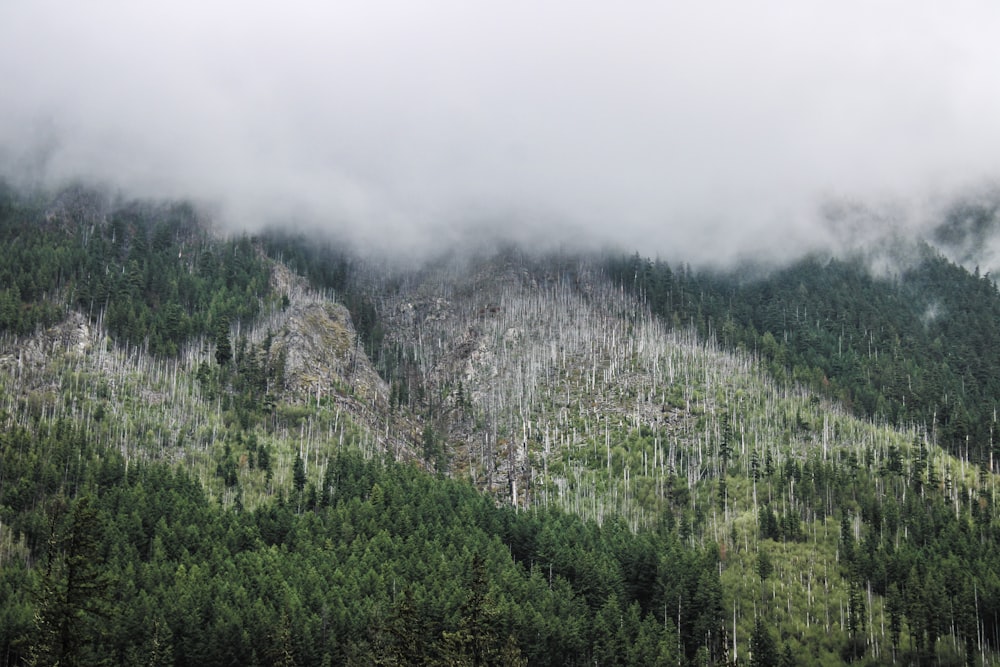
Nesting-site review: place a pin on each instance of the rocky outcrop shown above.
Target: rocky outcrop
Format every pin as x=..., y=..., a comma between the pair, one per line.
x=74, y=335
x=312, y=342
x=323, y=355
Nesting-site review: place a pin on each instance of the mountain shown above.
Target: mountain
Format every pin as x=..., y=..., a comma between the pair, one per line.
x=968, y=230
x=270, y=449
x=915, y=346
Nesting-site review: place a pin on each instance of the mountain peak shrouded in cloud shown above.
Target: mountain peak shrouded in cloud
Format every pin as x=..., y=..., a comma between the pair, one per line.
x=704, y=130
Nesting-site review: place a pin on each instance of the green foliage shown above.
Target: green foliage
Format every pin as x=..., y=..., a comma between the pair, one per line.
x=73, y=605
x=298, y=474
x=728, y=518
x=919, y=347
x=394, y=567
x=150, y=273
x=223, y=347
x=763, y=649
x=433, y=449
x=764, y=565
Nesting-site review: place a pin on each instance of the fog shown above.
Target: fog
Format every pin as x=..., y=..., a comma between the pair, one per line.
x=696, y=130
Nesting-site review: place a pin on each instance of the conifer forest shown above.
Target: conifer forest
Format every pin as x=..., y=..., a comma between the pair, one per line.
x=222, y=448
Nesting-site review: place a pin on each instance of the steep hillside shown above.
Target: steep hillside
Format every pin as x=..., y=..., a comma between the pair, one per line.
x=551, y=386
x=298, y=484
x=296, y=384
x=915, y=345
x=168, y=488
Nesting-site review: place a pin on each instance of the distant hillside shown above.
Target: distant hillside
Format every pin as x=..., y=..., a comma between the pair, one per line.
x=271, y=450
x=549, y=385
x=917, y=347
x=969, y=232
x=151, y=271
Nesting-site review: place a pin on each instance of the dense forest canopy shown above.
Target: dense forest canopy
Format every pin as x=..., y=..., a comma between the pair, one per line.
x=387, y=563
x=152, y=272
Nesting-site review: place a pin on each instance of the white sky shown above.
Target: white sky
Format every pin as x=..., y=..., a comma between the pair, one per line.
x=686, y=129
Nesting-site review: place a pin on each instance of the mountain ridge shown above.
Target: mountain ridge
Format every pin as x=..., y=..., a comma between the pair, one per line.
x=717, y=485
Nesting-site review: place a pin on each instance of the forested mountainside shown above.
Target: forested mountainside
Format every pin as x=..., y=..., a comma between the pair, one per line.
x=266, y=449
x=917, y=346
x=967, y=231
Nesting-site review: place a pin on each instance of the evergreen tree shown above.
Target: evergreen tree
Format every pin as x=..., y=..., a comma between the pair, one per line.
x=74, y=603
x=298, y=474
x=763, y=649
x=223, y=346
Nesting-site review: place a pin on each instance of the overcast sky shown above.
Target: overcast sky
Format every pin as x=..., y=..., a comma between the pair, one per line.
x=678, y=128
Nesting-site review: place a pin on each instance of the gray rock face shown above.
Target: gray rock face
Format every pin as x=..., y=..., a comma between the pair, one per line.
x=315, y=341
x=74, y=334
x=323, y=354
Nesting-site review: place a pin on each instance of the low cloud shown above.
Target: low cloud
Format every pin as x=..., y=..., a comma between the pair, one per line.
x=708, y=132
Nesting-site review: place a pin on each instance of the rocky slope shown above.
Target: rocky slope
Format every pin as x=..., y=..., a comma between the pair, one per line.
x=552, y=386
x=322, y=389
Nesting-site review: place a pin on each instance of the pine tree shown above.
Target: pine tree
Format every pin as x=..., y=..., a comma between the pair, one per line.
x=298, y=474
x=223, y=346
x=404, y=634
x=894, y=607
x=74, y=599
x=763, y=650
x=764, y=565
